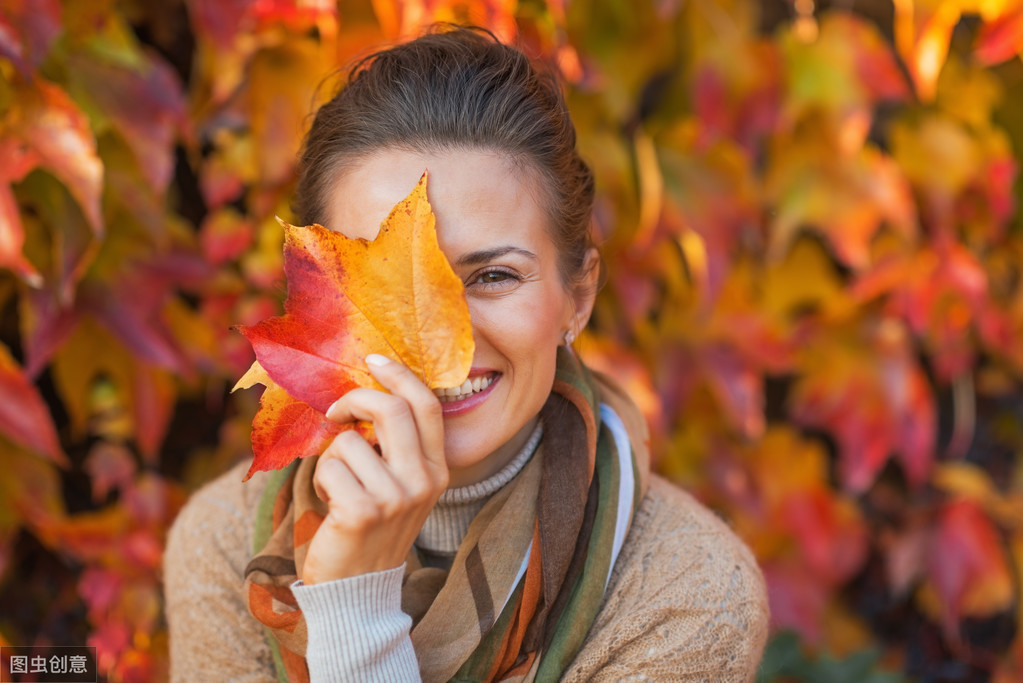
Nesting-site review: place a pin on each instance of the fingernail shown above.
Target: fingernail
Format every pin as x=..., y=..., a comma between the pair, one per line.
x=331, y=408
x=377, y=360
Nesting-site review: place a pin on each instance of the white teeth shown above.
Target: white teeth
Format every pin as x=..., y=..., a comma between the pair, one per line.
x=468, y=387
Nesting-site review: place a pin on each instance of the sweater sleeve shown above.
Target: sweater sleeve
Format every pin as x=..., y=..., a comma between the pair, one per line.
x=686, y=601
x=357, y=631
x=212, y=635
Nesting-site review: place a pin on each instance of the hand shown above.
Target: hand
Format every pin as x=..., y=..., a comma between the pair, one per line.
x=377, y=504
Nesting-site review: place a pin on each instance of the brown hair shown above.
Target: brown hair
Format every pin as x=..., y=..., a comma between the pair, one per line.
x=456, y=87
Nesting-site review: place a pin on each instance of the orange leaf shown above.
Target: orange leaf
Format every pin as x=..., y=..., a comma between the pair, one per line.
x=923, y=29
x=281, y=86
x=395, y=295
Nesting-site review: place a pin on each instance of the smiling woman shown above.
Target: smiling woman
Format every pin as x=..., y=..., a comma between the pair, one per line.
x=508, y=529
x=495, y=236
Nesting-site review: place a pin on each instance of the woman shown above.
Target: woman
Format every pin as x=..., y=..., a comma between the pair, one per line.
x=508, y=531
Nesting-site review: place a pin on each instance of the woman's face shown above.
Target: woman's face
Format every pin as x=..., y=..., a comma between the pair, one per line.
x=495, y=236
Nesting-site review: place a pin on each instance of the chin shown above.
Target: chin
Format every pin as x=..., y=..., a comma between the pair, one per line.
x=469, y=465
x=462, y=459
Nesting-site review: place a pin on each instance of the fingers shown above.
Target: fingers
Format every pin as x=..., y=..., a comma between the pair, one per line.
x=333, y=481
x=392, y=419
x=377, y=505
x=424, y=404
x=363, y=462
x=372, y=519
x=409, y=398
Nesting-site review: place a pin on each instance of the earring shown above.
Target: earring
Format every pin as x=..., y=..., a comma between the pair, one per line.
x=569, y=337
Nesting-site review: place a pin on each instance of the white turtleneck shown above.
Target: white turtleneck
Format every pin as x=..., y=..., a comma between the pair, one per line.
x=456, y=508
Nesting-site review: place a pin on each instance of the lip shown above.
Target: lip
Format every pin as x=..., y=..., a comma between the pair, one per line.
x=452, y=408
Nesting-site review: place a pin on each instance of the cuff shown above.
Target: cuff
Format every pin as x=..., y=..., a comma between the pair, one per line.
x=356, y=628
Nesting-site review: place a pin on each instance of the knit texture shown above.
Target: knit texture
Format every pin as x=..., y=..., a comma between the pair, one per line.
x=457, y=507
x=686, y=601
x=334, y=614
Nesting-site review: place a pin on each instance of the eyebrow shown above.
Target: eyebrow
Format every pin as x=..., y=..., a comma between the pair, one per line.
x=475, y=258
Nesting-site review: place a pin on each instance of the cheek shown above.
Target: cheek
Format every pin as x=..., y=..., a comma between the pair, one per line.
x=527, y=332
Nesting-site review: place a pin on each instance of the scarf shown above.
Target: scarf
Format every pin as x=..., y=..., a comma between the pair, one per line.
x=530, y=575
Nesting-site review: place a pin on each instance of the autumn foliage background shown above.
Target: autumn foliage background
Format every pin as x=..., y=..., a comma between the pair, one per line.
x=812, y=232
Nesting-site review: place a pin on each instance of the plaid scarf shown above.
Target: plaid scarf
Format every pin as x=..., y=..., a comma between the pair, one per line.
x=530, y=575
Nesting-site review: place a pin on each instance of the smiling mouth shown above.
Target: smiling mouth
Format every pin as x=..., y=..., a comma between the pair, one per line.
x=473, y=385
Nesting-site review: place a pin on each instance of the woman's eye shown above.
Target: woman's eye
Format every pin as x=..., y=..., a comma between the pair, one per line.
x=492, y=277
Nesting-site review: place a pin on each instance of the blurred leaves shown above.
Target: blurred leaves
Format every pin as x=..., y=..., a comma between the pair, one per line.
x=815, y=258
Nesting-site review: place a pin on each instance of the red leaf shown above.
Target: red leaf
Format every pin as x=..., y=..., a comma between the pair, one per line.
x=56, y=130
x=224, y=235
x=218, y=21
x=831, y=537
x=109, y=466
x=152, y=501
x=141, y=548
x=904, y=555
x=942, y=293
x=968, y=565
x=27, y=30
x=738, y=386
x=871, y=395
x=24, y=416
x=736, y=92
x=998, y=181
x=285, y=429
x=153, y=405
x=12, y=238
x=130, y=305
x=713, y=193
x=90, y=537
x=146, y=107
x=111, y=639
x=297, y=15
x=875, y=64
x=19, y=159
x=797, y=598
x=100, y=589
x=48, y=326
x=1001, y=38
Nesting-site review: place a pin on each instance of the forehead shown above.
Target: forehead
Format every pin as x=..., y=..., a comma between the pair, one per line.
x=480, y=197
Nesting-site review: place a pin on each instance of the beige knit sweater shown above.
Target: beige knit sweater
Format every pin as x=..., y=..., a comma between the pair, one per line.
x=686, y=601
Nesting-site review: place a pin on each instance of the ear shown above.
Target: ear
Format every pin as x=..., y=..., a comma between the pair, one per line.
x=584, y=293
